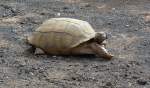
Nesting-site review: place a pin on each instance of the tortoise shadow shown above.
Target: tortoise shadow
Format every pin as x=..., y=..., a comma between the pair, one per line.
x=83, y=57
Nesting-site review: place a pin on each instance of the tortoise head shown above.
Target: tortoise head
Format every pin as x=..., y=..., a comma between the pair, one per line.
x=100, y=37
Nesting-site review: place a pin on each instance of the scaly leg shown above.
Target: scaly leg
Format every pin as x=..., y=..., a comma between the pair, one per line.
x=101, y=51
x=31, y=50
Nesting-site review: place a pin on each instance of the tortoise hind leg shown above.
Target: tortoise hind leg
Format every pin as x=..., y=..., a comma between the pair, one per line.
x=30, y=50
x=100, y=51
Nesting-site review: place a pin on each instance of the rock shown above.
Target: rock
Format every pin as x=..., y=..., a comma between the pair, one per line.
x=141, y=82
x=58, y=14
x=147, y=17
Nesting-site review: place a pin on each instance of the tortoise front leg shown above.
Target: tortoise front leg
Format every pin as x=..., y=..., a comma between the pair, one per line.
x=100, y=51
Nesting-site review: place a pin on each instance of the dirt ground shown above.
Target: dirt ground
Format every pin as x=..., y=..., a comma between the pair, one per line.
x=127, y=23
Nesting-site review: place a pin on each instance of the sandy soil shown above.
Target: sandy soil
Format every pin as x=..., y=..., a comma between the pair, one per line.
x=126, y=21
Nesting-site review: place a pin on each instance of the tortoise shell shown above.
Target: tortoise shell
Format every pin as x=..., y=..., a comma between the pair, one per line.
x=61, y=33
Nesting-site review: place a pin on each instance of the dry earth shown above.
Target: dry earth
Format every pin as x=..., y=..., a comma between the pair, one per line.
x=126, y=21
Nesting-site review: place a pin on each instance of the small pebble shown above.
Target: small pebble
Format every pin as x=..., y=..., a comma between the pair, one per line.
x=58, y=14
x=142, y=82
x=31, y=73
x=127, y=25
x=147, y=17
x=65, y=8
x=113, y=8
x=54, y=56
x=129, y=84
x=85, y=5
x=108, y=84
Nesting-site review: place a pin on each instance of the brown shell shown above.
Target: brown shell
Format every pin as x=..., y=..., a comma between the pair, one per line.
x=61, y=33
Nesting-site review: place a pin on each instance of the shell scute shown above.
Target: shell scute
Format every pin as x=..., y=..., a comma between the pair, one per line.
x=62, y=33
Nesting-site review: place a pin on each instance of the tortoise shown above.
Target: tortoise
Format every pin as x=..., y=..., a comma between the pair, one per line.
x=68, y=36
